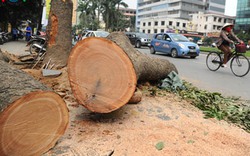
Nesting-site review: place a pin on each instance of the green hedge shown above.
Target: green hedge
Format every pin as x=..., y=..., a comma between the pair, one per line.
x=208, y=49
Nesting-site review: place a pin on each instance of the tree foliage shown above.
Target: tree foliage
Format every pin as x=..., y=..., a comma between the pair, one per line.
x=244, y=35
x=207, y=40
x=92, y=10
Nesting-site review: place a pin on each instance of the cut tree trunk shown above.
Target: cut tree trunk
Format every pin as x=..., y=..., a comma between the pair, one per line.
x=148, y=69
x=103, y=75
x=59, y=33
x=32, y=116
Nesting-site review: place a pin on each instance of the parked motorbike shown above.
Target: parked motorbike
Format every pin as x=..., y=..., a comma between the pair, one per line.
x=1, y=38
x=4, y=37
x=36, y=39
x=36, y=43
x=20, y=34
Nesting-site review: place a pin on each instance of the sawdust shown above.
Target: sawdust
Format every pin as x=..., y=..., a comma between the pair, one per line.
x=135, y=130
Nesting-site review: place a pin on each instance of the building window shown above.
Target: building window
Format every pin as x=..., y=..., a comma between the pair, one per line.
x=149, y=31
x=144, y=24
x=170, y=23
x=177, y=24
x=143, y=31
x=149, y=23
x=162, y=22
x=215, y=19
x=205, y=27
x=184, y=25
x=162, y=30
x=219, y=20
x=155, y=30
x=156, y=23
x=214, y=27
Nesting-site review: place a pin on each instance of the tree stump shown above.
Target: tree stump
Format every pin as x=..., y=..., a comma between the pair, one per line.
x=103, y=73
x=32, y=116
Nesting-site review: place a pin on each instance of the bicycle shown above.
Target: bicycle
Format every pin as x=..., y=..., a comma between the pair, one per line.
x=239, y=63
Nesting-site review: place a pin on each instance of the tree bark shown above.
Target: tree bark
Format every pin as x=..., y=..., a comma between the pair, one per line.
x=103, y=74
x=147, y=68
x=59, y=32
x=32, y=116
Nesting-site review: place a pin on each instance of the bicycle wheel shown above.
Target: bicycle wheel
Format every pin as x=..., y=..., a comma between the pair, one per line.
x=213, y=61
x=240, y=65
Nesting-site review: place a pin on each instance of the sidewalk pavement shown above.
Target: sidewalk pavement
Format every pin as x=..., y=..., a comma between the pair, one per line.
x=15, y=47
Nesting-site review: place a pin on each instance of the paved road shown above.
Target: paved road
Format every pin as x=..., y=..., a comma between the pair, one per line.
x=15, y=47
x=191, y=70
x=196, y=72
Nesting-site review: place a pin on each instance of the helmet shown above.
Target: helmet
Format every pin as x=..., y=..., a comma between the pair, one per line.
x=227, y=24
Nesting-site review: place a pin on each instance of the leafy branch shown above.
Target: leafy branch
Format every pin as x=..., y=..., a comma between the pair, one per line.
x=214, y=105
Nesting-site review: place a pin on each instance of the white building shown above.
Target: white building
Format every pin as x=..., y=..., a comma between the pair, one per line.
x=209, y=22
x=200, y=24
x=178, y=9
x=162, y=24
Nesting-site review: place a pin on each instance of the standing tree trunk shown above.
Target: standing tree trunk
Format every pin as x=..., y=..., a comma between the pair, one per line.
x=103, y=75
x=59, y=32
x=32, y=116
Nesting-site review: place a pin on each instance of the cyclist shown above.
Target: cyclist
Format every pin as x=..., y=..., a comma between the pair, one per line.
x=227, y=37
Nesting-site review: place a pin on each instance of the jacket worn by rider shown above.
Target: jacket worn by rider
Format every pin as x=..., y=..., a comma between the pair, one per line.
x=226, y=38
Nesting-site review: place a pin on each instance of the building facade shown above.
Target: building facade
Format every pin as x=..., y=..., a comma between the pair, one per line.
x=242, y=21
x=162, y=24
x=130, y=15
x=175, y=9
x=128, y=12
x=209, y=22
x=215, y=6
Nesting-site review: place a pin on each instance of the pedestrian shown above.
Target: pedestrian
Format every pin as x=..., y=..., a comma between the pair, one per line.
x=15, y=34
x=226, y=38
x=28, y=32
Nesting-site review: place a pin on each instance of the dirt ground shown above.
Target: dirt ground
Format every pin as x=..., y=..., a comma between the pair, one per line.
x=135, y=129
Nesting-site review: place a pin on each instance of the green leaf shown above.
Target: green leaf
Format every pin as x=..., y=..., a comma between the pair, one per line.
x=159, y=146
x=190, y=141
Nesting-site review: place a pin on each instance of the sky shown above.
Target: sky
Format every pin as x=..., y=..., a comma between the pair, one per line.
x=230, y=9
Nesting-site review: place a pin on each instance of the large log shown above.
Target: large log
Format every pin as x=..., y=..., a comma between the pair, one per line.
x=147, y=68
x=103, y=73
x=32, y=116
x=101, y=76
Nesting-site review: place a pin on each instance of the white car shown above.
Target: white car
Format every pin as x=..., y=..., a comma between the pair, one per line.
x=95, y=34
x=200, y=42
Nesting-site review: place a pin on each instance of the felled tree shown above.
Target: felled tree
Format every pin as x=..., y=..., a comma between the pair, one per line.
x=103, y=73
x=32, y=116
